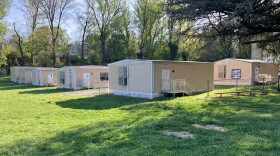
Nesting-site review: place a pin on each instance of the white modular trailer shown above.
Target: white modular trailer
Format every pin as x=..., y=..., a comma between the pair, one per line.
x=25, y=75
x=152, y=78
x=132, y=78
x=44, y=76
x=14, y=73
x=78, y=77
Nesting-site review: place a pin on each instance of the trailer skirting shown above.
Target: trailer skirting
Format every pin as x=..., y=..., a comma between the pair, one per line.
x=135, y=94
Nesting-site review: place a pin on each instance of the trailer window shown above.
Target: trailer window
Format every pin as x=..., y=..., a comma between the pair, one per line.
x=122, y=75
x=104, y=77
x=222, y=71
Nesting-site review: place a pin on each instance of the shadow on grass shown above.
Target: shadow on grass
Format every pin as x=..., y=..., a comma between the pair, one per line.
x=46, y=90
x=17, y=87
x=102, y=102
x=6, y=84
x=259, y=104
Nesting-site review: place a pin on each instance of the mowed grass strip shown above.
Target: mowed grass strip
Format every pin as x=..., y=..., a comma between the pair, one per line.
x=44, y=121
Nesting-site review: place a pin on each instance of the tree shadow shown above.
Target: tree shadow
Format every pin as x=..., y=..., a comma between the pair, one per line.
x=6, y=84
x=102, y=102
x=17, y=87
x=46, y=90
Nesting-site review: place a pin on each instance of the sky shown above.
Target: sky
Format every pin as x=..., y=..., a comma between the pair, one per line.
x=15, y=15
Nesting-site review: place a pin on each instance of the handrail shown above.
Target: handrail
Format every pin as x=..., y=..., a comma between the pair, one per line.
x=182, y=86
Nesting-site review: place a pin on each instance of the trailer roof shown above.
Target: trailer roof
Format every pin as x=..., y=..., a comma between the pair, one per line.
x=46, y=68
x=84, y=67
x=151, y=61
x=244, y=60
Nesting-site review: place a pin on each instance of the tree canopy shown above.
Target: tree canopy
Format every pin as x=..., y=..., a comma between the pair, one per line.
x=258, y=20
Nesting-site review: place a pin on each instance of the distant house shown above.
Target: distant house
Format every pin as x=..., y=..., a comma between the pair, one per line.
x=75, y=50
x=245, y=71
x=258, y=54
x=152, y=78
x=78, y=77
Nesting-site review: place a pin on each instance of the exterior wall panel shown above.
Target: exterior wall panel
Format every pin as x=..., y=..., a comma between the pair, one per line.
x=196, y=74
x=267, y=68
x=139, y=79
x=247, y=71
x=232, y=64
x=74, y=76
x=94, y=77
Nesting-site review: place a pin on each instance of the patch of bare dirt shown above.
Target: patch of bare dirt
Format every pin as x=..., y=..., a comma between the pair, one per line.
x=89, y=92
x=212, y=127
x=181, y=134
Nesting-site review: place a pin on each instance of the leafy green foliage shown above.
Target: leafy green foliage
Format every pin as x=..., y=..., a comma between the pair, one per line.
x=39, y=44
x=150, y=27
x=4, y=6
x=254, y=20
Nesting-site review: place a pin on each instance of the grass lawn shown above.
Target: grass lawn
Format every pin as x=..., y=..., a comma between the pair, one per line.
x=44, y=121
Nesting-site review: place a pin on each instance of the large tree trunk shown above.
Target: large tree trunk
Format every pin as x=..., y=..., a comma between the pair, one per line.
x=173, y=48
x=83, y=45
x=22, y=56
x=31, y=59
x=103, y=48
x=54, y=52
x=19, y=43
x=140, y=54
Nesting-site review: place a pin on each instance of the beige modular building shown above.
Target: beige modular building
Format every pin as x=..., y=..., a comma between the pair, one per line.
x=25, y=75
x=152, y=78
x=244, y=72
x=78, y=77
x=14, y=73
x=43, y=76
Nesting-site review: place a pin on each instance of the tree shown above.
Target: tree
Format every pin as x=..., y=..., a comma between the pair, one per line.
x=32, y=10
x=42, y=45
x=83, y=19
x=4, y=6
x=122, y=43
x=256, y=19
x=147, y=18
x=55, y=12
x=9, y=55
x=19, y=41
x=104, y=12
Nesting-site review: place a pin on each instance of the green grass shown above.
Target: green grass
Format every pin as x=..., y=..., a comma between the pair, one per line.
x=43, y=121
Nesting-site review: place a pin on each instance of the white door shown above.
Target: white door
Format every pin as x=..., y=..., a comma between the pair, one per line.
x=257, y=73
x=86, y=80
x=165, y=78
x=50, y=78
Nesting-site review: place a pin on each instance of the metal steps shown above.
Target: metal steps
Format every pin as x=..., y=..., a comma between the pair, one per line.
x=180, y=86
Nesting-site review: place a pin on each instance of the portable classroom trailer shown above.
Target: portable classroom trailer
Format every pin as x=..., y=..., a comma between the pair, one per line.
x=43, y=76
x=243, y=72
x=78, y=77
x=153, y=78
x=14, y=73
x=25, y=75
